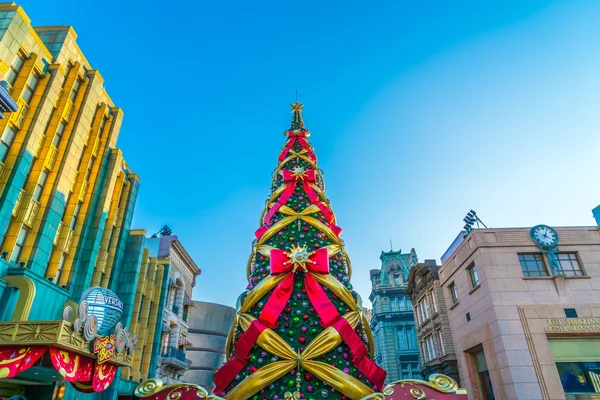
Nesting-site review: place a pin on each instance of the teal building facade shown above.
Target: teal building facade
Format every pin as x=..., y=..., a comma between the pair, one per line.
x=392, y=322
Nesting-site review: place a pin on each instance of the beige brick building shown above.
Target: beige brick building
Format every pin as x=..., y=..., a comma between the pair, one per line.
x=522, y=329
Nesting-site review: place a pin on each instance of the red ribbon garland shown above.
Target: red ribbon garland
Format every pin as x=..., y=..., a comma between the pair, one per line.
x=281, y=264
x=359, y=351
x=299, y=137
x=241, y=354
x=293, y=180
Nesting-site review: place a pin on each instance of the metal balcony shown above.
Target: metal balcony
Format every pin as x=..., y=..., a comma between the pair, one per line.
x=175, y=357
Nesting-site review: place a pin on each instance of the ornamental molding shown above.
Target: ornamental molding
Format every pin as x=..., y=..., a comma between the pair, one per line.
x=59, y=334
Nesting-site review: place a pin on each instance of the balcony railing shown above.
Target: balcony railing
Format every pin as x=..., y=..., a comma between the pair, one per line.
x=18, y=116
x=31, y=213
x=51, y=157
x=68, y=110
x=174, y=356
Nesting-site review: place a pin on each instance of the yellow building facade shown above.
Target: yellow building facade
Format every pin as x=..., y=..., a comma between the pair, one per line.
x=67, y=198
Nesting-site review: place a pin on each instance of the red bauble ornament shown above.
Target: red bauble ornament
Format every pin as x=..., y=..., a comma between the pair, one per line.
x=302, y=340
x=307, y=377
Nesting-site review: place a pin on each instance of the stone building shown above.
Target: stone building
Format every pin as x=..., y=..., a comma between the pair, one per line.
x=524, y=312
x=392, y=319
x=208, y=329
x=183, y=271
x=431, y=320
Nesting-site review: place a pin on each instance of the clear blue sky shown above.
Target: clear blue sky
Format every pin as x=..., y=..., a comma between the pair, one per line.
x=420, y=111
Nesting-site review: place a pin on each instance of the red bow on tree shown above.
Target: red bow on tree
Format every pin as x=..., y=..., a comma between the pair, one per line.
x=288, y=262
x=300, y=137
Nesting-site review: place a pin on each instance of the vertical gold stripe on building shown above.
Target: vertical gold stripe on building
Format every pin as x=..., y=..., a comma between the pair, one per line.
x=83, y=189
x=156, y=277
x=147, y=295
x=48, y=190
x=16, y=223
x=70, y=236
x=102, y=258
x=116, y=233
x=34, y=176
x=135, y=315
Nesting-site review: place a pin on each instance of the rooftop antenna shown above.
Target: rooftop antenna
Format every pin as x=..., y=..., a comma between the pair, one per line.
x=391, y=247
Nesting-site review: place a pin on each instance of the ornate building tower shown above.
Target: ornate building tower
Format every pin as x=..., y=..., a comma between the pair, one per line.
x=393, y=321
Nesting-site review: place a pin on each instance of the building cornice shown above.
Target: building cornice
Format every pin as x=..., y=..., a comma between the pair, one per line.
x=189, y=262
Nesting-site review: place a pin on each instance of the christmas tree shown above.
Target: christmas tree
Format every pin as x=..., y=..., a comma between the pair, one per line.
x=300, y=331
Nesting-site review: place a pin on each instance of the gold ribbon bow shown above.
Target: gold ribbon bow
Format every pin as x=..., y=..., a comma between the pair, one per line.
x=326, y=341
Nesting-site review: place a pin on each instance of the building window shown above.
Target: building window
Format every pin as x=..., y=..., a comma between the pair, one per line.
x=14, y=70
x=61, y=264
x=401, y=304
x=453, y=292
x=569, y=264
x=433, y=301
x=441, y=341
x=37, y=192
x=29, y=88
x=427, y=306
x=393, y=304
x=397, y=280
x=75, y=216
x=7, y=139
x=19, y=244
x=401, y=339
x=76, y=86
x=59, y=133
x=409, y=306
x=484, y=383
x=410, y=338
x=430, y=345
x=533, y=264
x=578, y=365
x=473, y=275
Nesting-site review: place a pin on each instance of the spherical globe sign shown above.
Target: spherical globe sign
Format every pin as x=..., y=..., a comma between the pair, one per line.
x=105, y=305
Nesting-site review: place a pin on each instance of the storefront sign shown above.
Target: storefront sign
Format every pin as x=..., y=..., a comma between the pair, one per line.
x=104, y=348
x=573, y=325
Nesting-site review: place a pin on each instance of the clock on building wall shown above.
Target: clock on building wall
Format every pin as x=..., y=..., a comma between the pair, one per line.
x=544, y=236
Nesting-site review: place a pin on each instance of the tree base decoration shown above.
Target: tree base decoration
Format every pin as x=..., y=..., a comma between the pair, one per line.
x=439, y=387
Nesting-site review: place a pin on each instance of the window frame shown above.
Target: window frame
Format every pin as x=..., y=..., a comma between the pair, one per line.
x=441, y=340
x=573, y=256
x=473, y=275
x=14, y=70
x=527, y=273
x=453, y=292
x=19, y=244
x=5, y=143
x=29, y=91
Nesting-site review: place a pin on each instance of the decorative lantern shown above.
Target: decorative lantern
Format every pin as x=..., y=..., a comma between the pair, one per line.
x=105, y=306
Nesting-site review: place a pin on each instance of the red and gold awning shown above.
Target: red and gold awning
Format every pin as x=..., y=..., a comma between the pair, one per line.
x=82, y=372
x=16, y=359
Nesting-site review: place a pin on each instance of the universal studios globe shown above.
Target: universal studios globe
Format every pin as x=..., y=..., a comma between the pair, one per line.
x=105, y=306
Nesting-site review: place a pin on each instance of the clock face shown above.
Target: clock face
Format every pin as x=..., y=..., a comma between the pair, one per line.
x=544, y=236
